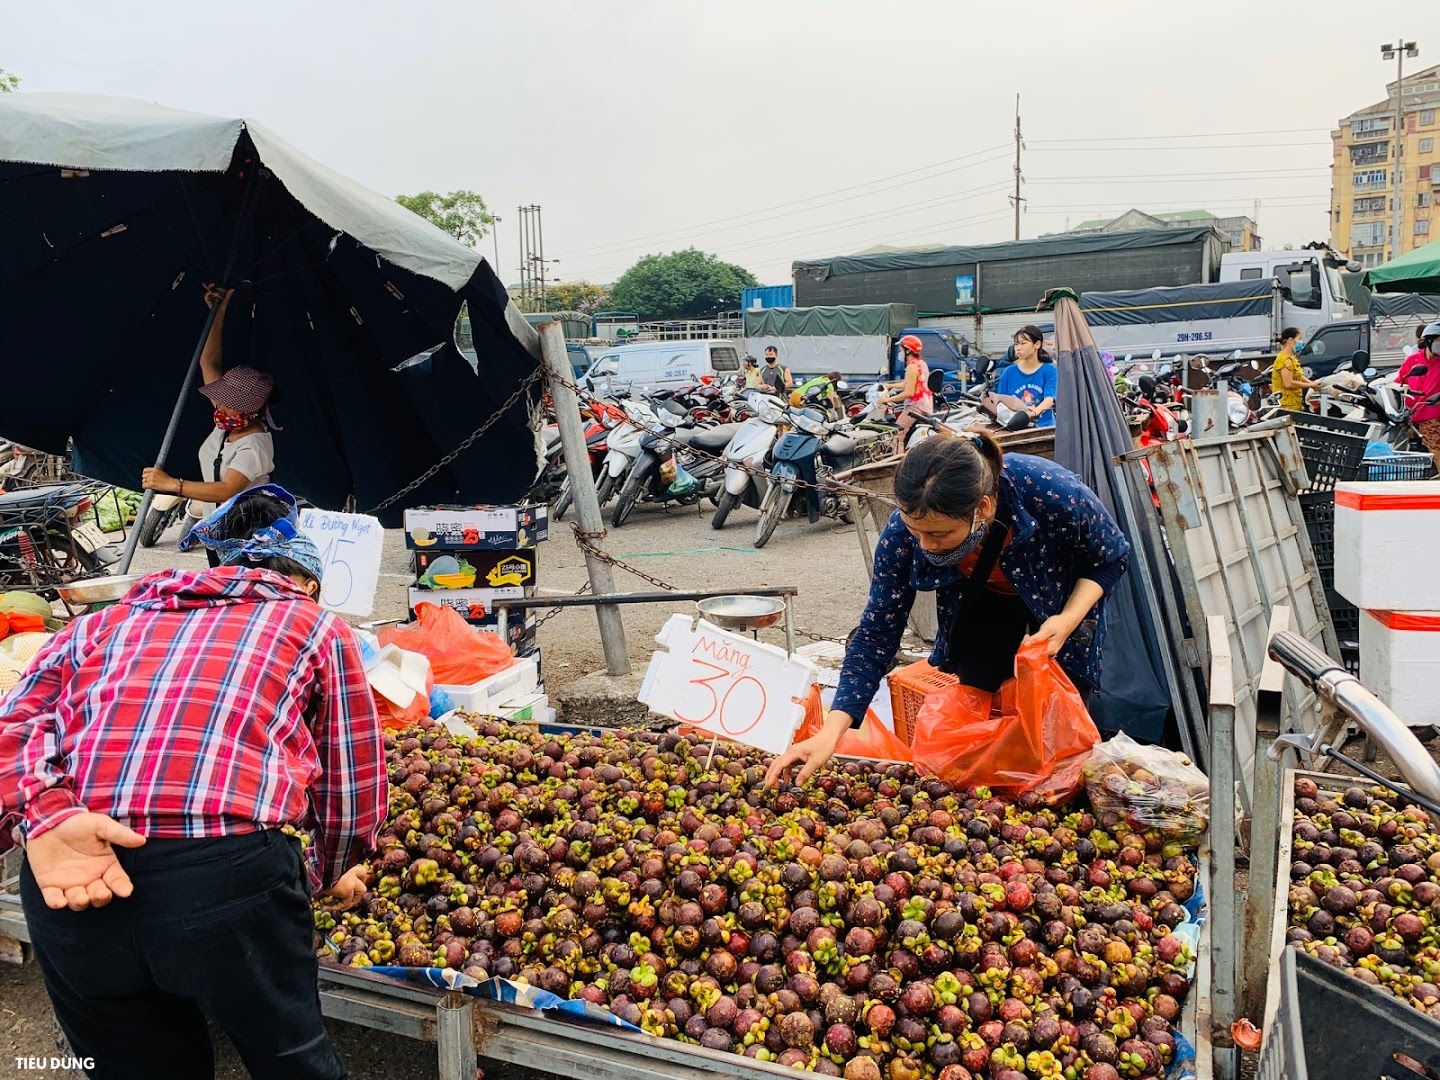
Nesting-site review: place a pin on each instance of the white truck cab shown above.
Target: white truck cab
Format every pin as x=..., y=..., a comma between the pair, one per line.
x=1309, y=282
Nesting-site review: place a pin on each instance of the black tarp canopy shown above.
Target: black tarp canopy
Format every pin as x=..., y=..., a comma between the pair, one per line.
x=113, y=213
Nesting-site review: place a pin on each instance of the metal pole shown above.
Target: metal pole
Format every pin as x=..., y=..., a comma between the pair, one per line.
x=1399, y=123
x=540, y=244
x=1222, y=847
x=133, y=540
x=454, y=1037
x=495, y=235
x=1016, y=197
x=582, y=490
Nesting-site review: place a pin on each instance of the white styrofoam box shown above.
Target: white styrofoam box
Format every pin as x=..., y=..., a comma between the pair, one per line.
x=1400, y=662
x=1384, y=538
x=524, y=710
x=516, y=681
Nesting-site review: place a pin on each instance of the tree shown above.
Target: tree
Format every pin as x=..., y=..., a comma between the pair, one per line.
x=462, y=214
x=685, y=284
x=583, y=296
x=9, y=82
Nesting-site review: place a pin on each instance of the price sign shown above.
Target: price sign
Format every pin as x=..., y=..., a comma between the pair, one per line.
x=727, y=684
x=350, y=547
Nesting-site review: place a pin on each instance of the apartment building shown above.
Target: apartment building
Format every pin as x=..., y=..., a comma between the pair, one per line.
x=1365, y=178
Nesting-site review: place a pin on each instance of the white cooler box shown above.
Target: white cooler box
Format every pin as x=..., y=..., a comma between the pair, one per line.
x=517, y=681
x=1385, y=540
x=1400, y=662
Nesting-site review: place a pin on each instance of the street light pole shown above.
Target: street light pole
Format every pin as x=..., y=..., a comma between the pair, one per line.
x=1399, y=50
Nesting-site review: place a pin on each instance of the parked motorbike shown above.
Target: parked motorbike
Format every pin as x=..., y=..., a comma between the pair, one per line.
x=809, y=454
x=604, y=417
x=165, y=510
x=749, y=446
x=622, y=446
x=661, y=474
x=45, y=540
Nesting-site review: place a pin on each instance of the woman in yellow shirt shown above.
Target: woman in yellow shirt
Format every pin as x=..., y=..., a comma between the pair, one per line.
x=1287, y=377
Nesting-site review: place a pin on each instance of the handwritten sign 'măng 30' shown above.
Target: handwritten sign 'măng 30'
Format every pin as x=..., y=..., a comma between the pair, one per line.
x=727, y=684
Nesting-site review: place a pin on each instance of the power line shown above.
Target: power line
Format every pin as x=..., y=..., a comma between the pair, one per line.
x=1195, y=135
x=812, y=198
x=1163, y=149
x=848, y=223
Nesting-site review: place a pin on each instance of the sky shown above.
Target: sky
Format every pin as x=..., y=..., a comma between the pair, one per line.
x=765, y=130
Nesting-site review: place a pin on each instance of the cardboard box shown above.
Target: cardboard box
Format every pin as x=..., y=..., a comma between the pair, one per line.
x=1400, y=662
x=493, y=569
x=1384, y=538
x=475, y=605
x=491, y=528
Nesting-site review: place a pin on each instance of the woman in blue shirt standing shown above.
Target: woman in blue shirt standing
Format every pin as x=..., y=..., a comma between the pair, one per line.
x=1032, y=378
x=1015, y=547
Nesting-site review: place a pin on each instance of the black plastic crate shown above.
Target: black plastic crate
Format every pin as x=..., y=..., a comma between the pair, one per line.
x=1332, y=1026
x=1344, y=615
x=1330, y=456
x=1331, y=423
x=1317, y=508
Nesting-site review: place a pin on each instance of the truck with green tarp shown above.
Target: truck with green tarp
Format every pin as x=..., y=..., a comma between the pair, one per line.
x=858, y=340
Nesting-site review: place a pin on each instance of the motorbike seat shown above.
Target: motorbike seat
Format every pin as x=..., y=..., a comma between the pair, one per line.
x=50, y=495
x=838, y=446
x=711, y=440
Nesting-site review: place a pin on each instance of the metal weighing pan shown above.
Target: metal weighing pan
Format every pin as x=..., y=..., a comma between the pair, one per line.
x=748, y=613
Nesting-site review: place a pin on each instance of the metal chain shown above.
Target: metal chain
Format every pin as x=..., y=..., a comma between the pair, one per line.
x=551, y=614
x=586, y=541
x=827, y=486
x=525, y=384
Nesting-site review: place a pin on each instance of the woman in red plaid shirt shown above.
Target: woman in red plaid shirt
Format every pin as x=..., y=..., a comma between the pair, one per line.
x=205, y=710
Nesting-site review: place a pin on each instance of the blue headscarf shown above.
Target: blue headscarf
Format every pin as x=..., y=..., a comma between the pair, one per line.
x=282, y=538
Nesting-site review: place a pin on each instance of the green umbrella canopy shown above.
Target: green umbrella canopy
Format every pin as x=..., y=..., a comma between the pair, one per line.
x=1416, y=271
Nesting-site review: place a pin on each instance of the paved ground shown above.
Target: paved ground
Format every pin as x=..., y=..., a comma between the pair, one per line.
x=680, y=548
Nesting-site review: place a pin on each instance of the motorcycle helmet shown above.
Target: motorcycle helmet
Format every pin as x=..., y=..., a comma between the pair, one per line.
x=1429, y=334
x=911, y=343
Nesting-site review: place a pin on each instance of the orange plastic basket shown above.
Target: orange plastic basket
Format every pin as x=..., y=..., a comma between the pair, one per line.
x=909, y=686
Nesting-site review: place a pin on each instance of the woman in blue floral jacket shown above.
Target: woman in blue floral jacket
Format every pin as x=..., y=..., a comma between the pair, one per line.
x=1016, y=548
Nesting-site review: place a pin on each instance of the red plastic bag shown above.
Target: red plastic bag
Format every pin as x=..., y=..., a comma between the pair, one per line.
x=459, y=654
x=1031, y=736
x=871, y=739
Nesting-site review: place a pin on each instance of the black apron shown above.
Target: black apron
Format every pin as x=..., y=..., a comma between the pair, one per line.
x=212, y=557
x=988, y=625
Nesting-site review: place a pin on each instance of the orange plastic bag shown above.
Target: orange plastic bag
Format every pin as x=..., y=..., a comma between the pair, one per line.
x=459, y=654
x=871, y=739
x=1030, y=736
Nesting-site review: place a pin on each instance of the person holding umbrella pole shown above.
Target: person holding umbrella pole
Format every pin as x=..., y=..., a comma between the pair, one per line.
x=240, y=452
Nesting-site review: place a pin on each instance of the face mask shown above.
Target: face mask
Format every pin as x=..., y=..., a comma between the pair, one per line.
x=967, y=547
x=226, y=422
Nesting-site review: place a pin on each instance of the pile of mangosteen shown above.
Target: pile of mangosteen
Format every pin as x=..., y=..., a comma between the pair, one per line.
x=875, y=924
x=1363, y=889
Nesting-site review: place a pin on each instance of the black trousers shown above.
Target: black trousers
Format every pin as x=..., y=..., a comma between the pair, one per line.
x=218, y=929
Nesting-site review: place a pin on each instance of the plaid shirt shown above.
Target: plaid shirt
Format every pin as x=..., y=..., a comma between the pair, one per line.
x=204, y=704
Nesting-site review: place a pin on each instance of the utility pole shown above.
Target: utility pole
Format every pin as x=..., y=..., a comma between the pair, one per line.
x=495, y=235
x=1399, y=50
x=1016, y=198
x=582, y=490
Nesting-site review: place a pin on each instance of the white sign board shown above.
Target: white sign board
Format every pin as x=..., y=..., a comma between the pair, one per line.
x=350, y=546
x=727, y=684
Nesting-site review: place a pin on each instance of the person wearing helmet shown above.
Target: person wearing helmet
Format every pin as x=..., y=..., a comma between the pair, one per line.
x=753, y=378
x=914, y=396
x=1426, y=418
